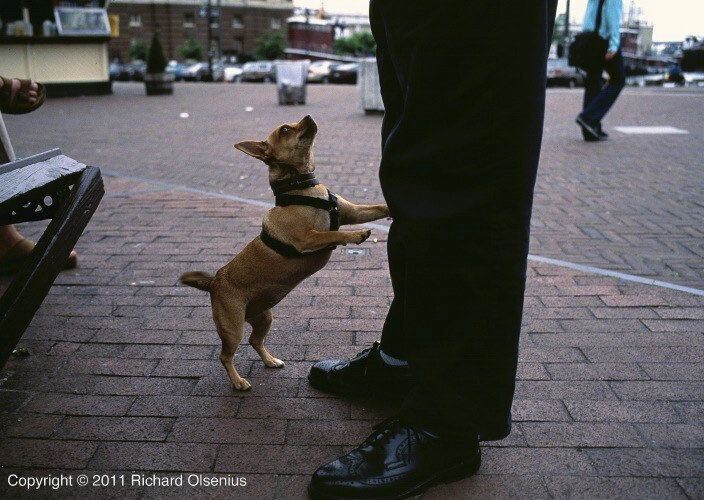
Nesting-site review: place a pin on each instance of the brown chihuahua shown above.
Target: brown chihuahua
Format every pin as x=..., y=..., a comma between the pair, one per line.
x=297, y=239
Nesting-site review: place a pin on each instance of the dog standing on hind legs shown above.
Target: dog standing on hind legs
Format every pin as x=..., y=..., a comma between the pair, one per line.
x=297, y=239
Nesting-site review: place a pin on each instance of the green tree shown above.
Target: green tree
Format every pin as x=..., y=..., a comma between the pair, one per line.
x=270, y=46
x=137, y=49
x=190, y=49
x=156, y=62
x=558, y=32
x=361, y=43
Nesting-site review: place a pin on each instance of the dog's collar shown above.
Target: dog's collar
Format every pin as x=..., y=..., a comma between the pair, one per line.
x=299, y=181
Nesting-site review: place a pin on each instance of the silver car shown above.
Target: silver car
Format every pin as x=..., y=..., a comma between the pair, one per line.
x=561, y=73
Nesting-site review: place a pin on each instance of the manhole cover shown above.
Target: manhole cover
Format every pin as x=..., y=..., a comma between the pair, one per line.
x=355, y=251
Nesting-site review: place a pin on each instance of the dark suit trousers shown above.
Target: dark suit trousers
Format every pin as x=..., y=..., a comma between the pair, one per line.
x=464, y=88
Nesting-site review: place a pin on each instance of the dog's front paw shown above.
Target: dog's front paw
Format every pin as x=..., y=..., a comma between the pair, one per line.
x=361, y=236
x=242, y=385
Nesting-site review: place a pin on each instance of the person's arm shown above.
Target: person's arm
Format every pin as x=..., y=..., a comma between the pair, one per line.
x=612, y=17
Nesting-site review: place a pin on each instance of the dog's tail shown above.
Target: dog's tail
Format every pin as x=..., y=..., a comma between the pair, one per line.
x=197, y=279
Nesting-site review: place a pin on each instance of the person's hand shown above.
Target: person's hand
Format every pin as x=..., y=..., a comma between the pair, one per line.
x=610, y=54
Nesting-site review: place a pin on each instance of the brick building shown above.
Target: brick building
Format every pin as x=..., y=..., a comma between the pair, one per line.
x=240, y=23
x=311, y=33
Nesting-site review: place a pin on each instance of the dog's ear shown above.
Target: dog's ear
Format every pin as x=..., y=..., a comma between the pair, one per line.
x=258, y=149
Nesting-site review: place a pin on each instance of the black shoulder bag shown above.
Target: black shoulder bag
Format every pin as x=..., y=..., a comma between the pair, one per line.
x=588, y=49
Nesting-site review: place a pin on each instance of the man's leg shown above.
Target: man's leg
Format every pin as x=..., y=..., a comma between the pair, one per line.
x=601, y=104
x=458, y=172
x=381, y=370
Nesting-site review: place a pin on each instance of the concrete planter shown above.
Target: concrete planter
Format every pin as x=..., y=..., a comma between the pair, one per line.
x=159, y=83
x=368, y=86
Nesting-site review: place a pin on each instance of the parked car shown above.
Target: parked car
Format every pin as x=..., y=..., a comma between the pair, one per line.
x=344, y=73
x=199, y=72
x=259, y=71
x=233, y=72
x=139, y=69
x=319, y=71
x=559, y=72
x=114, y=70
x=121, y=72
x=177, y=69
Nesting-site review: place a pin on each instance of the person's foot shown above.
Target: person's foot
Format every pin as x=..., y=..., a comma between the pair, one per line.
x=600, y=132
x=20, y=96
x=17, y=255
x=396, y=461
x=589, y=130
x=367, y=374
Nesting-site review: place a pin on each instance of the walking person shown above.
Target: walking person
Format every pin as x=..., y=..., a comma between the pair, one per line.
x=598, y=98
x=460, y=144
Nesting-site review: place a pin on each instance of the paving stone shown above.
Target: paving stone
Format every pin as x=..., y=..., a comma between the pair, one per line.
x=154, y=456
x=581, y=434
x=622, y=411
x=187, y=406
x=613, y=487
x=113, y=428
x=228, y=430
x=673, y=435
x=496, y=486
x=647, y=462
x=596, y=371
x=277, y=459
x=44, y=453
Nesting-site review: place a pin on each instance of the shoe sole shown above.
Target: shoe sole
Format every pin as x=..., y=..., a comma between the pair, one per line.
x=386, y=394
x=588, y=128
x=461, y=471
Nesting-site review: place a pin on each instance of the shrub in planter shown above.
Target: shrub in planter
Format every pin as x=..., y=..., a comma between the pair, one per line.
x=157, y=81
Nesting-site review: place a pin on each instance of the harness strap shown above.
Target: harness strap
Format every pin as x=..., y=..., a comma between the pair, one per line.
x=300, y=181
x=285, y=249
x=285, y=200
x=329, y=205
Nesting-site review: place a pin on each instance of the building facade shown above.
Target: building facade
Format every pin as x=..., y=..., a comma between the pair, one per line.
x=235, y=24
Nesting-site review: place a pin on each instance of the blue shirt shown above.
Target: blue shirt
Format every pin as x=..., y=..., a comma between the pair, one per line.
x=610, y=21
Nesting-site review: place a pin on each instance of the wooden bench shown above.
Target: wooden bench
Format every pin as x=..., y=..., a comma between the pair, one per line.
x=45, y=186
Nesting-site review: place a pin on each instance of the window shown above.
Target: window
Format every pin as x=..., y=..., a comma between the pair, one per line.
x=135, y=21
x=189, y=20
x=237, y=22
x=238, y=45
x=275, y=23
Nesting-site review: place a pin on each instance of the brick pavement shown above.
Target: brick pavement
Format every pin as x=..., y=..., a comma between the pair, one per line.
x=633, y=204
x=124, y=374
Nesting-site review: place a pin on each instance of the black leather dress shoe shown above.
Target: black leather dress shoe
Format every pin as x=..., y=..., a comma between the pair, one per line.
x=365, y=375
x=398, y=460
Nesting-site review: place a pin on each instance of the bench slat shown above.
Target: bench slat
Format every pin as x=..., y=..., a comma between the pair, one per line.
x=20, y=181
x=23, y=162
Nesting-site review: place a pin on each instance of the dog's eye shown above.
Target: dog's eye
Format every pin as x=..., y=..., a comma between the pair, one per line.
x=284, y=130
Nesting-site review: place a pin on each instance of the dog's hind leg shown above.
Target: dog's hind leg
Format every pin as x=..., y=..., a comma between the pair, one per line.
x=229, y=320
x=260, y=327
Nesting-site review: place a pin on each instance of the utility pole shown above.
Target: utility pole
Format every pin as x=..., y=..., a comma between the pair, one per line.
x=210, y=40
x=567, y=24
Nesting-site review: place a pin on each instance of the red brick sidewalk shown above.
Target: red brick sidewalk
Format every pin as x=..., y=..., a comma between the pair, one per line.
x=124, y=374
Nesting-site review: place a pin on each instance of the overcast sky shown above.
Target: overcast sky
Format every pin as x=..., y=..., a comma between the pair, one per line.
x=672, y=19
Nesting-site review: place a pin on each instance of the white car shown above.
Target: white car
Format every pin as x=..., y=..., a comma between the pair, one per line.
x=233, y=72
x=319, y=71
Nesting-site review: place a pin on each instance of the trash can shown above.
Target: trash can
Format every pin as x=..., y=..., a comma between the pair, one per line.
x=291, y=81
x=368, y=86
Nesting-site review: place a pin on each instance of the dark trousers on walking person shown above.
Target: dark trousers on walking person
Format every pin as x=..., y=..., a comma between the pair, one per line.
x=461, y=139
x=598, y=98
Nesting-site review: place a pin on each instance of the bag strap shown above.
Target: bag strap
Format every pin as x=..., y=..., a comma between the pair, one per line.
x=598, y=16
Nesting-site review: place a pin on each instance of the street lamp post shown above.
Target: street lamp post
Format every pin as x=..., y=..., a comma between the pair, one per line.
x=210, y=39
x=567, y=25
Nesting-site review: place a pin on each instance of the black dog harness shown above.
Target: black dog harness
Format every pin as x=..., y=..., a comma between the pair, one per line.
x=284, y=200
